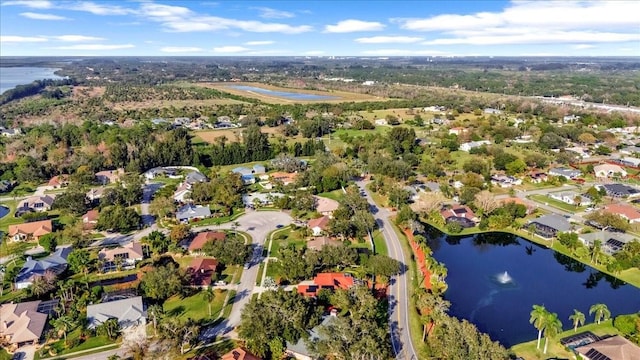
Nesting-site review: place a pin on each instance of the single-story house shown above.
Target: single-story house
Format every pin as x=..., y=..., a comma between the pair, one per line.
x=201, y=271
x=619, y=190
x=505, y=181
x=191, y=212
x=204, y=237
x=611, y=242
x=299, y=350
x=36, y=229
x=239, y=354
x=109, y=176
x=36, y=203
x=128, y=254
x=609, y=170
x=195, y=177
x=458, y=131
x=570, y=118
x=95, y=194
x=538, y=177
x=264, y=199
x=630, y=150
x=326, y=206
x=549, y=226
x=612, y=348
x=473, y=144
x=90, y=219
x=318, y=225
x=317, y=242
x=55, y=263
x=22, y=323
x=242, y=170
x=568, y=173
x=625, y=211
x=248, y=179
x=461, y=214
x=570, y=197
x=183, y=189
x=380, y=122
x=284, y=178
x=129, y=312
x=259, y=169
x=627, y=161
x=328, y=281
x=10, y=132
x=159, y=171
x=59, y=181
x=492, y=111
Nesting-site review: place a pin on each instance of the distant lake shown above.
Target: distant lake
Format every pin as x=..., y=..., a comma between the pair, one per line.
x=11, y=77
x=282, y=94
x=499, y=303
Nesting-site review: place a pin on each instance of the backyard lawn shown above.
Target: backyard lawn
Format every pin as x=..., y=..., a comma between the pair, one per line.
x=195, y=307
x=543, y=199
x=60, y=348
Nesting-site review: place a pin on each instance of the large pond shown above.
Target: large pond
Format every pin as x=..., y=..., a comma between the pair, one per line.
x=11, y=77
x=495, y=278
x=282, y=94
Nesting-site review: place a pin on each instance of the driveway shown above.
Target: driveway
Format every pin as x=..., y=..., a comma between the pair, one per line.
x=258, y=224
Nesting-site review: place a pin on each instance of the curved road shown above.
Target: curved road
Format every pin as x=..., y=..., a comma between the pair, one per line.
x=399, y=301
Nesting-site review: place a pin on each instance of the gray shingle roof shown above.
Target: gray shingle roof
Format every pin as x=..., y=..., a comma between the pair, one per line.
x=553, y=221
x=127, y=311
x=190, y=211
x=56, y=262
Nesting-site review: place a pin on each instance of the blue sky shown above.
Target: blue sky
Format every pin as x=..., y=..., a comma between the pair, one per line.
x=319, y=28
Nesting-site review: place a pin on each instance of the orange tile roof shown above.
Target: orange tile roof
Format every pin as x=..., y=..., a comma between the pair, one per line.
x=58, y=180
x=90, y=216
x=239, y=354
x=286, y=178
x=204, y=237
x=320, y=222
x=201, y=270
x=36, y=228
x=326, y=281
x=627, y=211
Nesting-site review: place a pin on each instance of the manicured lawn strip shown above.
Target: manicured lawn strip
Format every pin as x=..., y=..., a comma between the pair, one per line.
x=380, y=243
x=260, y=271
x=380, y=200
x=9, y=219
x=90, y=343
x=231, y=274
x=229, y=305
x=110, y=275
x=194, y=307
x=336, y=195
x=218, y=220
x=15, y=248
x=556, y=204
x=528, y=350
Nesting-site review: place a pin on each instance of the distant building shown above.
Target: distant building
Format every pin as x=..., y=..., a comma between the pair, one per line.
x=567, y=173
x=458, y=131
x=59, y=181
x=109, y=176
x=468, y=146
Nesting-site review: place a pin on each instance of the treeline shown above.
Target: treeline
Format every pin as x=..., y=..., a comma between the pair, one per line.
x=136, y=93
x=35, y=88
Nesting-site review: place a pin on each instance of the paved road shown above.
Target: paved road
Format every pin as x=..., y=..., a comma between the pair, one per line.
x=399, y=301
x=258, y=224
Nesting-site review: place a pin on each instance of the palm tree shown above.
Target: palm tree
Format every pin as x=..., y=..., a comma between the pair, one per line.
x=155, y=312
x=595, y=251
x=538, y=315
x=577, y=318
x=64, y=324
x=208, y=297
x=553, y=327
x=600, y=311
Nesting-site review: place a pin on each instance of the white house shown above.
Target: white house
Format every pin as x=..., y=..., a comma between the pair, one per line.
x=473, y=144
x=609, y=170
x=570, y=197
x=380, y=122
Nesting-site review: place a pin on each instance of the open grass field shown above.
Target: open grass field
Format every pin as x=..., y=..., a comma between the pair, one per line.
x=179, y=104
x=232, y=135
x=195, y=307
x=556, y=204
x=60, y=348
x=340, y=96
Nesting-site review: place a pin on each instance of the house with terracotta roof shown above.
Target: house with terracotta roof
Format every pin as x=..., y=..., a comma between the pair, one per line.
x=625, y=211
x=326, y=206
x=90, y=219
x=109, y=176
x=613, y=348
x=204, y=237
x=329, y=281
x=35, y=230
x=22, y=323
x=284, y=177
x=201, y=271
x=127, y=255
x=59, y=181
x=317, y=242
x=239, y=354
x=318, y=225
x=36, y=203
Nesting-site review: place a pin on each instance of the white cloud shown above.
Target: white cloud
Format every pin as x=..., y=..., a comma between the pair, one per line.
x=351, y=25
x=405, y=52
x=182, y=19
x=181, y=49
x=21, y=39
x=314, y=52
x=535, y=22
x=39, y=16
x=230, y=49
x=34, y=4
x=97, y=9
x=389, y=39
x=259, y=43
x=269, y=13
x=94, y=47
x=583, y=46
x=77, y=38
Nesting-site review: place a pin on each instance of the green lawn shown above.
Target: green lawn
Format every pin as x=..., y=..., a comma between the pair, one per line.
x=336, y=195
x=543, y=199
x=292, y=237
x=4, y=355
x=60, y=348
x=194, y=307
x=528, y=350
x=219, y=220
x=380, y=243
x=9, y=219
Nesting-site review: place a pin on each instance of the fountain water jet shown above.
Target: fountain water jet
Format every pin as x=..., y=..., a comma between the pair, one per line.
x=504, y=278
